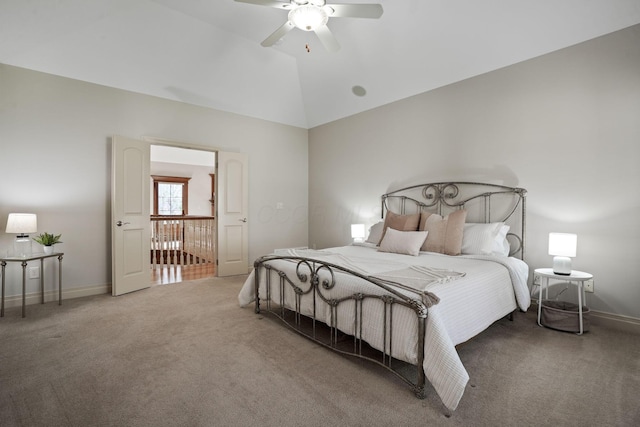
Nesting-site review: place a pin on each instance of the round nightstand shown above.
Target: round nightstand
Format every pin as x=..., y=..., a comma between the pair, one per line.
x=576, y=277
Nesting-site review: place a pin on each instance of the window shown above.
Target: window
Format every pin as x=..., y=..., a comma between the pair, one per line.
x=170, y=195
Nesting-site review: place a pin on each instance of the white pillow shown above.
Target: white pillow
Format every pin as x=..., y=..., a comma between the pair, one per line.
x=375, y=233
x=501, y=245
x=485, y=239
x=402, y=242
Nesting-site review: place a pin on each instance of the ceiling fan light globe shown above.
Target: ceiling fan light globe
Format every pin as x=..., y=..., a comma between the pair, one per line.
x=308, y=17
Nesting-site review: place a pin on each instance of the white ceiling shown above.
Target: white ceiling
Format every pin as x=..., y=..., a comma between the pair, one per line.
x=208, y=53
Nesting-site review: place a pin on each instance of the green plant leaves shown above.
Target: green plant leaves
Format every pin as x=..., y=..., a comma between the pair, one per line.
x=48, y=239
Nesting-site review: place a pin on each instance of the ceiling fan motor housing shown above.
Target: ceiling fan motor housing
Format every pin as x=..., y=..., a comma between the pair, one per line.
x=318, y=3
x=313, y=15
x=308, y=17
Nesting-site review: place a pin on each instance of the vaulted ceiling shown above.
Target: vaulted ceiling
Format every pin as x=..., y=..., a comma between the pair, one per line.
x=208, y=52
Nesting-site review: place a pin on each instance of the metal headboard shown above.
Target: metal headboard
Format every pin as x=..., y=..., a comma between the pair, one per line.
x=484, y=203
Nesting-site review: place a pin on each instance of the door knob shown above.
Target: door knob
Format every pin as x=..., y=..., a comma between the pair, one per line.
x=120, y=223
x=243, y=220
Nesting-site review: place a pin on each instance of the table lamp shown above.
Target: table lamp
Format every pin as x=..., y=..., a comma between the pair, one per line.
x=563, y=247
x=357, y=232
x=21, y=224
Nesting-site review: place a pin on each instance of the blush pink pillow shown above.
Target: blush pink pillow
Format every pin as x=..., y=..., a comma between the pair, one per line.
x=400, y=223
x=445, y=234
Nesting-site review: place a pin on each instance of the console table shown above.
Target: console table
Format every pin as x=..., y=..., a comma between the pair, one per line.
x=24, y=260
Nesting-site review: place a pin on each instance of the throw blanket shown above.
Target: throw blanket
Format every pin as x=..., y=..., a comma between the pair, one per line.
x=417, y=279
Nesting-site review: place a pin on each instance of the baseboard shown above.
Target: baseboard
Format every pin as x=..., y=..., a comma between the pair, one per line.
x=620, y=322
x=616, y=321
x=52, y=295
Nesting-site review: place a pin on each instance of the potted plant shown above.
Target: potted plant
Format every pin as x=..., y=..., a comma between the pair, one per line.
x=48, y=240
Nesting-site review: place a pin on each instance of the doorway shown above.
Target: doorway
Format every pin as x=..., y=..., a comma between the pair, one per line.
x=182, y=214
x=131, y=215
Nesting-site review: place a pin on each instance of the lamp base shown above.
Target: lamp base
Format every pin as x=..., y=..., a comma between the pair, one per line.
x=22, y=246
x=562, y=265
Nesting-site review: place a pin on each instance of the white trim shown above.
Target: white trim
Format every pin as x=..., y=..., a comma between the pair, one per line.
x=178, y=144
x=617, y=321
x=52, y=295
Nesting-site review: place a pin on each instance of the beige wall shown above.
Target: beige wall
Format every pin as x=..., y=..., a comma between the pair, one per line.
x=565, y=126
x=55, y=161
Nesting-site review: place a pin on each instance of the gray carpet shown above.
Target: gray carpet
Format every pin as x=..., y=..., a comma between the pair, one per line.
x=187, y=355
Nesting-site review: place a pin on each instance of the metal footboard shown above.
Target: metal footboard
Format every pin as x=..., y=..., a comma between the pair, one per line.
x=313, y=281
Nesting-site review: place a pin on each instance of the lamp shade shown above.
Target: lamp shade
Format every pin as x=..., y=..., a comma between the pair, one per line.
x=563, y=247
x=357, y=232
x=22, y=223
x=563, y=244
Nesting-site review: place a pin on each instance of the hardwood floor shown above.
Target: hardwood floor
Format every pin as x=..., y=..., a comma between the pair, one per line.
x=175, y=274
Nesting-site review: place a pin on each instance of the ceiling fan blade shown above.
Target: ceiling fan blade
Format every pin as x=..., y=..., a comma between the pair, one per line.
x=270, y=3
x=327, y=38
x=373, y=11
x=278, y=34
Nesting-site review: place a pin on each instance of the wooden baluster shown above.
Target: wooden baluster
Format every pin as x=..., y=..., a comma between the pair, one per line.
x=160, y=242
x=174, y=237
x=167, y=243
x=200, y=240
x=212, y=239
x=182, y=241
x=209, y=241
x=188, y=235
x=192, y=242
x=206, y=241
x=154, y=235
x=178, y=242
x=168, y=237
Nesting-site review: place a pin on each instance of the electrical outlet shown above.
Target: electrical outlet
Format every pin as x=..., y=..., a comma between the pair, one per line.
x=589, y=286
x=34, y=272
x=536, y=280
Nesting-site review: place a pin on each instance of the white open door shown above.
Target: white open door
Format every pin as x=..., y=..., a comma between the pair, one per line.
x=130, y=225
x=232, y=202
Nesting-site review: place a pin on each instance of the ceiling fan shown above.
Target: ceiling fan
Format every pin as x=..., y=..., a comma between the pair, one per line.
x=312, y=15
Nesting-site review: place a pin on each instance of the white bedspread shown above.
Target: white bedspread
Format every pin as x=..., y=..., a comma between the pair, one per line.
x=479, y=291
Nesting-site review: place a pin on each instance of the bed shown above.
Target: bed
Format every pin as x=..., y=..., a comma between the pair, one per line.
x=444, y=263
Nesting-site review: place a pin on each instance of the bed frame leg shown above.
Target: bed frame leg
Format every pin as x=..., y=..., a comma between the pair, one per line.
x=420, y=392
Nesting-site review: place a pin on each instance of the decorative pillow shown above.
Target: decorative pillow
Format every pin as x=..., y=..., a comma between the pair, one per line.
x=485, y=239
x=400, y=222
x=375, y=233
x=402, y=242
x=445, y=234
